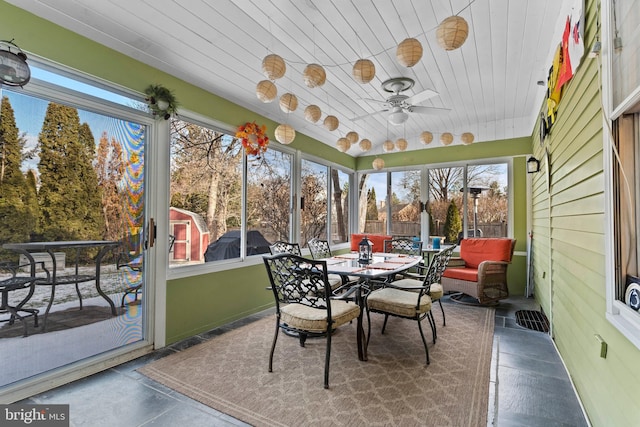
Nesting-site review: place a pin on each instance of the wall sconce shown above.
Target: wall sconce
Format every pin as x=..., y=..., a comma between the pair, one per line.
x=533, y=165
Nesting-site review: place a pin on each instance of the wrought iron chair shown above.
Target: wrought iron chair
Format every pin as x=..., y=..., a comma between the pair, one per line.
x=407, y=300
x=282, y=247
x=404, y=246
x=15, y=283
x=302, y=307
x=320, y=249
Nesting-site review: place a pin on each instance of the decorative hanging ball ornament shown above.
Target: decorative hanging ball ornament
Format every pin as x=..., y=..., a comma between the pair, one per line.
x=288, y=102
x=312, y=113
x=446, y=138
x=353, y=136
x=365, y=145
x=273, y=66
x=426, y=137
x=343, y=144
x=409, y=52
x=401, y=144
x=266, y=91
x=452, y=32
x=331, y=123
x=378, y=163
x=388, y=146
x=364, y=71
x=314, y=75
x=467, y=138
x=285, y=134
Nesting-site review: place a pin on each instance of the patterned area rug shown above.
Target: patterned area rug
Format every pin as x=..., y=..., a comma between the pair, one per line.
x=394, y=387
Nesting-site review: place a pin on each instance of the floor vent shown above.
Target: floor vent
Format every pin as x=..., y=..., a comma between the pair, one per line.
x=532, y=319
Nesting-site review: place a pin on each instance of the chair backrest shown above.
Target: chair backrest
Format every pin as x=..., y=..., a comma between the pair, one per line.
x=474, y=251
x=319, y=248
x=403, y=246
x=437, y=266
x=295, y=279
x=282, y=247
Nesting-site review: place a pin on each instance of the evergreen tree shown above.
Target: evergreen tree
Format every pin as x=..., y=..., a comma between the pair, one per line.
x=16, y=222
x=69, y=196
x=31, y=203
x=110, y=170
x=372, y=206
x=453, y=224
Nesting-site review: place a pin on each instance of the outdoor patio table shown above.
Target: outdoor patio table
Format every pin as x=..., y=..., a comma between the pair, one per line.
x=56, y=279
x=383, y=266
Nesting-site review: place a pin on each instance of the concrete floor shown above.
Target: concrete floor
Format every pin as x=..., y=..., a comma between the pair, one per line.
x=529, y=385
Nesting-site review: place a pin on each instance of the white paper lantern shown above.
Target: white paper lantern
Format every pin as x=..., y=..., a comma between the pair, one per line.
x=401, y=144
x=266, y=91
x=365, y=145
x=343, y=144
x=312, y=113
x=314, y=75
x=285, y=134
x=452, y=32
x=446, y=138
x=378, y=163
x=388, y=146
x=426, y=137
x=288, y=102
x=353, y=137
x=364, y=71
x=409, y=52
x=467, y=138
x=331, y=123
x=273, y=66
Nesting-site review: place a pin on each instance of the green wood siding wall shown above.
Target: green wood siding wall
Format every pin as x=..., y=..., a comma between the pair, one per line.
x=569, y=258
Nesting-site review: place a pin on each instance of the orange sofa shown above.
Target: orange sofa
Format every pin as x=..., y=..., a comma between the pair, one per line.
x=377, y=241
x=481, y=269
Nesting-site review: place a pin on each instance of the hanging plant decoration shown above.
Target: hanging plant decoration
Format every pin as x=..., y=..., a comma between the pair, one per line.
x=254, y=138
x=161, y=101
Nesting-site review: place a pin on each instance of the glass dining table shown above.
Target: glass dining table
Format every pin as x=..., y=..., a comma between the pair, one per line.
x=383, y=268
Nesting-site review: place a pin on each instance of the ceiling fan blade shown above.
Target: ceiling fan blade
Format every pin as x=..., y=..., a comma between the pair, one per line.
x=368, y=115
x=428, y=110
x=421, y=96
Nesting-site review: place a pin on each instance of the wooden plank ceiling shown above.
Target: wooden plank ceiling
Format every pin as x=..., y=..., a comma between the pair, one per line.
x=488, y=84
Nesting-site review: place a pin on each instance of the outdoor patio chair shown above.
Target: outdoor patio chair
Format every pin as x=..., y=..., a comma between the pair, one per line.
x=302, y=305
x=282, y=247
x=320, y=249
x=18, y=280
x=404, y=246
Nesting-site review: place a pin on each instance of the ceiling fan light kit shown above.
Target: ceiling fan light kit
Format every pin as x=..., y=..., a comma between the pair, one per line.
x=364, y=71
x=398, y=117
x=452, y=32
x=409, y=52
x=314, y=75
x=288, y=102
x=285, y=134
x=266, y=91
x=273, y=66
x=312, y=113
x=331, y=123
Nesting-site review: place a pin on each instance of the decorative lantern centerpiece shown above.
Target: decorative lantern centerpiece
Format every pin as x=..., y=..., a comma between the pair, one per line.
x=364, y=251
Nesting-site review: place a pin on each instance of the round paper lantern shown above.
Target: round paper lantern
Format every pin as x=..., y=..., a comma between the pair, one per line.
x=426, y=137
x=401, y=144
x=467, y=138
x=312, y=113
x=446, y=138
x=285, y=134
x=288, y=102
x=266, y=91
x=378, y=163
x=343, y=144
x=314, y=75
x=365, y=145
x=409, y=52
x=388, y=146
x=273, y=66
x=353, y=137
x=452, y=32
x=331, y=122
x=364, y=71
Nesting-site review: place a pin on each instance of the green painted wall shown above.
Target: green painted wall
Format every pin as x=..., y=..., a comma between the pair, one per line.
x=197, y=304
x=569, y=254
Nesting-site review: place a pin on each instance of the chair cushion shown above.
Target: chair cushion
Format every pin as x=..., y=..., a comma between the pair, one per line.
x=398, y=302
x=315, y=319
x=435, y=291
x=469, y=274
x=377, y=241
x=335, y=281
x=474, y=251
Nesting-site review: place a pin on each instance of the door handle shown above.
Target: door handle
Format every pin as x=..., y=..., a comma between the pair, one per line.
x=152, y=232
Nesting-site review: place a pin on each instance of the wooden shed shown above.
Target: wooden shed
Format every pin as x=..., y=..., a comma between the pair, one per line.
x=191, y=236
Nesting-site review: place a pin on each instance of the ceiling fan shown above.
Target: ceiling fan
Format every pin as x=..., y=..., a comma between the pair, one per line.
x=399, y=105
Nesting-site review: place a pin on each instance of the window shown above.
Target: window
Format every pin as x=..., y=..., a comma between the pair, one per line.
x=339, y=206
x=405, y=203
x=372, y=203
